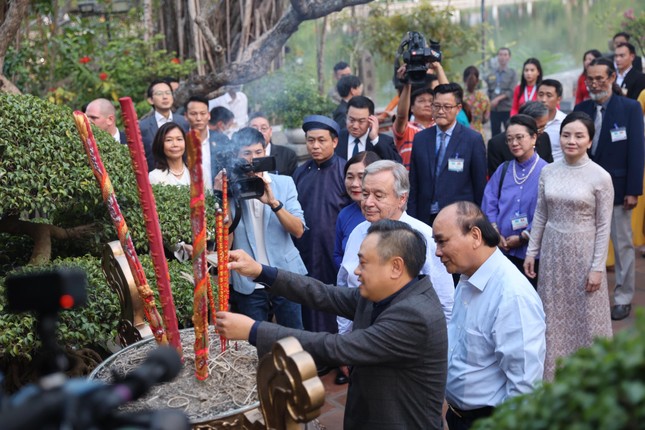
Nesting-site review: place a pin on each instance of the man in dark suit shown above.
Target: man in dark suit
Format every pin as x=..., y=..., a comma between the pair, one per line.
x=286, y=160
x=398, y=347
x=161, y=99
x=624, y=37
x=362, y=133
x=618, y=147
x=630, y=80
x=448, y=161
x=498, y=151
x=348, y=87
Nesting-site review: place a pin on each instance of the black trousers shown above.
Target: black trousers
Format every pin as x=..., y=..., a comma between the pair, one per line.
x=497, y=119
x=464, y=420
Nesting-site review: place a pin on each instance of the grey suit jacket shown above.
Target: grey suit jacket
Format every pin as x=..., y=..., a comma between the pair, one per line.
x=399, y=361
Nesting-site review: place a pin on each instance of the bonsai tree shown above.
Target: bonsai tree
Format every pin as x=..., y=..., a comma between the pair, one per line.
x=601, y=387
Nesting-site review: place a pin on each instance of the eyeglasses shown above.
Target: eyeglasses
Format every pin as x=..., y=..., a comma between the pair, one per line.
x=263, y=128
x=438, y=107
x=162, y=93
x=520, y=138
x=361, y=121
x=597, y=80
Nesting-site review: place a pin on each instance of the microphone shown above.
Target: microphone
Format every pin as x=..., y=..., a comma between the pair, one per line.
x=161, y=365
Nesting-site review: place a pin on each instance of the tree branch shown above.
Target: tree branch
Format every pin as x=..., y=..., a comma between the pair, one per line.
x=257, y=57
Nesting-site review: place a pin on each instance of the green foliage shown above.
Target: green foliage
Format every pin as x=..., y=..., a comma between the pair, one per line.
x=93, y=324
x=635, y=26
x=381, y=32
x=601, y=387
x=89, y=58
x=288, y=95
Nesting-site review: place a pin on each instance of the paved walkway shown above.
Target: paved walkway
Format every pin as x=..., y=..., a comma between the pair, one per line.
x=331, y=416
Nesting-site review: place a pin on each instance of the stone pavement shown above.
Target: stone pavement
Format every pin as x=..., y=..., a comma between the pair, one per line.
x=331, y=416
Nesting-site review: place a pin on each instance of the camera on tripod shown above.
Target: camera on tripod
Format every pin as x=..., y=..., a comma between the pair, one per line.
x=416, y=54
x=75, y=404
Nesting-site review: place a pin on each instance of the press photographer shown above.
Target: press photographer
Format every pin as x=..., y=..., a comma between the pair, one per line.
x=417, y=55
x=269, y=214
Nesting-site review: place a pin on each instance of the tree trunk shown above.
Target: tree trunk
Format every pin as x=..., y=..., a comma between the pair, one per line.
x=320, y=57
x=42, y=234
x=10, y=25
x=147, y=20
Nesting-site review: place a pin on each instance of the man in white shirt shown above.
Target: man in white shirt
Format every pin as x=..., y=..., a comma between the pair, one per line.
x=235, y=101
x=550, y=95
x=496, y=336
x=101, y=113
x=198, y=115
x=160, y=97
x=385, y=194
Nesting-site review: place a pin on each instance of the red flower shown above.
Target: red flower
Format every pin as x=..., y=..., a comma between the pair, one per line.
x=103, y=76
x=175, y=60
x=629, y=14
x=85, y=60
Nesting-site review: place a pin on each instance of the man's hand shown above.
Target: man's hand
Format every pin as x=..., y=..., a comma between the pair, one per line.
x=513, y=241
x=374, y=127
x=217, y=182
x=233, y=326
x=502, y=243
x=243, y=264
x=267, y=198
x=630, y=202
x=400, y=73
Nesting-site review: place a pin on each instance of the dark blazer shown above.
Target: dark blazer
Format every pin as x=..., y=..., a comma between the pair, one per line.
x=399, y=361
x=384, y=148
x=498, y=151
x=148, y=127
x=449, y=186
x=123, y=138
x=633, y=84
x=286, y=160
x=623, y=159
x=340, y=114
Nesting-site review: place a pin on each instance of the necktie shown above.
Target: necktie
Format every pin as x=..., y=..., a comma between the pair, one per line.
x=442, y=150
x=356, y=142
x=597, y=125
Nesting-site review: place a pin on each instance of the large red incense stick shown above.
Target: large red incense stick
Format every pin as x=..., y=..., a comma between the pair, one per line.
x=222, y=253
x=200, y=268
x=146, y=294
x=151, y=219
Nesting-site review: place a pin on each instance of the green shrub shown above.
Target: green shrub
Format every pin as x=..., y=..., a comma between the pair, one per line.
x=601, y=387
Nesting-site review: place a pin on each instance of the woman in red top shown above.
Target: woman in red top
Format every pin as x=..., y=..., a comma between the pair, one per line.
x=527, y=89
x=581, y=92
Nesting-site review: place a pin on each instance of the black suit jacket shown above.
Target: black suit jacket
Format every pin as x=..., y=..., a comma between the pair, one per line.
x=399, y=360
x=340, y=115
x=384, y=148
x=633, y=84
x=445, y=186
x=286, y=160
x=498, y=151
x=123, y=138
x=623, y=159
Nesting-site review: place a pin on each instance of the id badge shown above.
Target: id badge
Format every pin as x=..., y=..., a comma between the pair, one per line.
x=519, y=222
x=619, y=133
x=456, y=165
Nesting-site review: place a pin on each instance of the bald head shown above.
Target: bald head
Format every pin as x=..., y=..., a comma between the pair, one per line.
x=102, y=114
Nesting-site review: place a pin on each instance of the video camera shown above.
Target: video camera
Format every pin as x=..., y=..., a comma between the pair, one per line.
x=416, y=54
x=75, y=404
x=244, y=183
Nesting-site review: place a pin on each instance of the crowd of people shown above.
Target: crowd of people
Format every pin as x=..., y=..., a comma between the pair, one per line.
x=429, y=267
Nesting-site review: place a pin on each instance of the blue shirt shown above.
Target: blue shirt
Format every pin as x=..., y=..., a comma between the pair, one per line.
x=515, y=199
x=496, y=342
x=348, y=219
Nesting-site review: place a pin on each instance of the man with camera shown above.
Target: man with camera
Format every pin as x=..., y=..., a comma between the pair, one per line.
x=265, y=229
